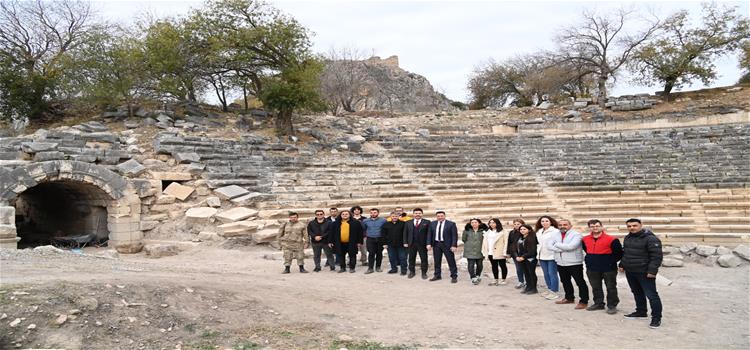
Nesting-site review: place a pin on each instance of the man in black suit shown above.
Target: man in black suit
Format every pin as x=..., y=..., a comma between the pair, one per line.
x=415, y=239
x=443, y=238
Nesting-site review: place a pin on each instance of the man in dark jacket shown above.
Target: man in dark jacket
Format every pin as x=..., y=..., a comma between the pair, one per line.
x=318, y=229
x=393, y=232
x=443, y=238
x=602, y=254
x=346, y=237
x=642, y=256
x=415, y=240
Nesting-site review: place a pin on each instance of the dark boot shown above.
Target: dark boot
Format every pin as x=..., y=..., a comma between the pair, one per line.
x=302, y=269
x=286, y=269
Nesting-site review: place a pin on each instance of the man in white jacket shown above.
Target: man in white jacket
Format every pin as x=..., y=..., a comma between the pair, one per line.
x=569, y=259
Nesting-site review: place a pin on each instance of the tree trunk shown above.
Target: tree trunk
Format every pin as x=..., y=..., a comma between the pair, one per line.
x=602, y=86
x=244, y=96
x=284, y=123
x=666, y=93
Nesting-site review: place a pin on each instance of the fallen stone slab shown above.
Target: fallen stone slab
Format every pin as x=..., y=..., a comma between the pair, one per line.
x=213, y=202
x=38, y=146
x=179, y=191
x=200, y=215
x=131, y=168
x=265, y=236
x=240, y=228
x=166, y=199
x=187, y=157
x=209, y=236
x=729, y=261
x=129, y=247
x=250, y=198
x=230, y=192
x=160, y=250
x=236, y=214
x=688, y=247
x=705, y=250
x=742, y=251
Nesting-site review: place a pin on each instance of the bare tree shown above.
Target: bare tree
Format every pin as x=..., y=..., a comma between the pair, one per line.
x=344, y=83
x=35, y=36
x=600, y=44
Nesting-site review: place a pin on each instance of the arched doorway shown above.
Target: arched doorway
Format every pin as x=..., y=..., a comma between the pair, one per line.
x=62, y=200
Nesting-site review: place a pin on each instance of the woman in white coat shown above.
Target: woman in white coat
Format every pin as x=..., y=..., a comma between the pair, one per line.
x=494, y=248
x=546, y=228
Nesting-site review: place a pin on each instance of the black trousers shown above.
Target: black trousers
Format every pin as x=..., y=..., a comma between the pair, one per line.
x=420, y=249
x=494, y=263
x=529, y=273
x=317, y=248
x=438, y=250
x=374, y=252
x=351, y=249
x=575, y=271
x=643, y=288
x=479, y=264
x=610, y=280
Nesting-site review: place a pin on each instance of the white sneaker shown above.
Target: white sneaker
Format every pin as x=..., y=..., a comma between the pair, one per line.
x=520, y=285
x=503, y=282
x=551, y=296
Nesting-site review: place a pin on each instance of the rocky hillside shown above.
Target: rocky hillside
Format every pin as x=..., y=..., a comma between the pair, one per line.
x=377, y=84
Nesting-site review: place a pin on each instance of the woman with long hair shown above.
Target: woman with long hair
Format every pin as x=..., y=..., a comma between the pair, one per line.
x=473, y=237
x=546, y=228
x=495, y=247
x=524, y=251
x=513, y=237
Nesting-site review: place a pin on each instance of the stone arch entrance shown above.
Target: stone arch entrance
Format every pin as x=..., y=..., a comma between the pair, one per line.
x=60, y=197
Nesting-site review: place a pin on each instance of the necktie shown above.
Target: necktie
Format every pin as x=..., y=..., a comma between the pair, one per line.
x=440, y=231
x=416, y=223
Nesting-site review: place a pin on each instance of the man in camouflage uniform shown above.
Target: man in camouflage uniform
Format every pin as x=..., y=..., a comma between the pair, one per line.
x=293, y=240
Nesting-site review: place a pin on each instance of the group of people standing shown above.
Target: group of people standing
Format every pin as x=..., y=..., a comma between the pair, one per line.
x=560, y=250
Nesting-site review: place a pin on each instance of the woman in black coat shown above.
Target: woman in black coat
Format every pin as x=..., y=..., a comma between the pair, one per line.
x=524, y=251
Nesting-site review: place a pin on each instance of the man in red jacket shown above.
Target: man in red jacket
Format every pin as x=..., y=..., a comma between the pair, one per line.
x=602, y=254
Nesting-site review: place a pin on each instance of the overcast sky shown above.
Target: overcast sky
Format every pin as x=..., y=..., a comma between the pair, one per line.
x=441, y=40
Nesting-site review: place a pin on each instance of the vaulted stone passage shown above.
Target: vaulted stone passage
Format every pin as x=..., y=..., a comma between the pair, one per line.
x=62, y=213
x=55, y=199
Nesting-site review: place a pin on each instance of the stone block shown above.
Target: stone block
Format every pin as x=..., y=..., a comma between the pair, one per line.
x=213, y=202
x=230, y=192
x=179, y=191
x=128, y=247
x=48, y=155
x=131, y=168
x=729, y=260
x=200, y=215
x=171, y=176
x=710, y=261
x=187, y=157
x=721, y=250
x=265, y=236
x=147, y=225
x=9, y=243
x=742, y=251
x=580, y=104
x=240, y=228
x=38, y=146
x=688, y=247
x=705, y=250
x=209, y=236
x=8, y=216
x=672, y=262
x=354, y=146
x=236, y=214
x=7, y=231
x=250, y=199
x=166, y=199
x=161, y=250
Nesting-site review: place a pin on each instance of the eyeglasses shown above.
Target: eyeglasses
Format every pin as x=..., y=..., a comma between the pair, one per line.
x=319, y=214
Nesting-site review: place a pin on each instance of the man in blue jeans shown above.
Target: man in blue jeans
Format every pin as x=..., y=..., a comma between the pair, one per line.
x=642, y=256
x=393, y=233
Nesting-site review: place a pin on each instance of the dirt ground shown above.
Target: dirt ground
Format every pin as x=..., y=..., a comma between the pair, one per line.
x=215, y=298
